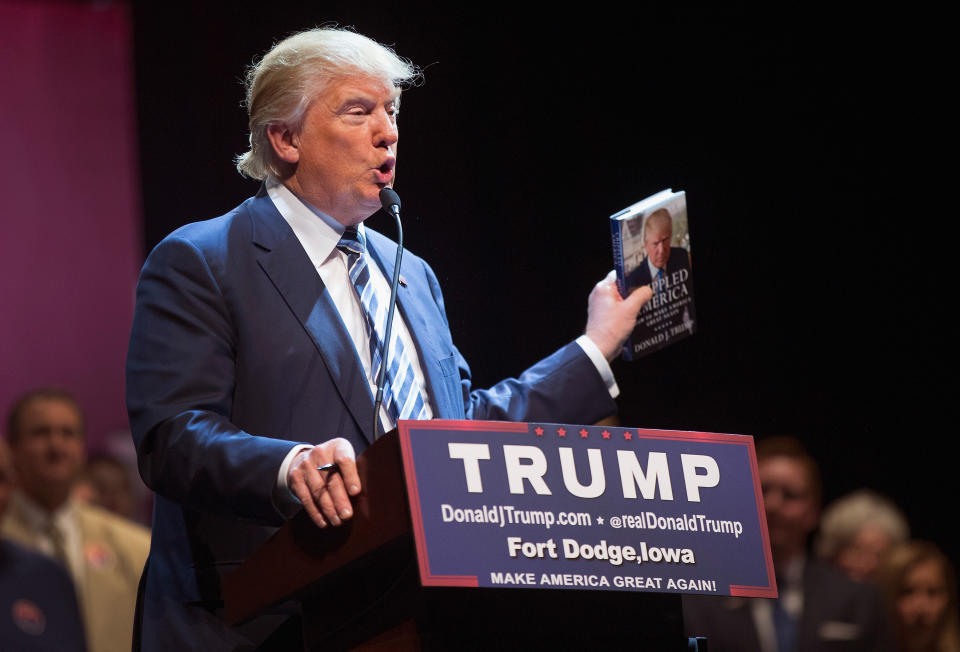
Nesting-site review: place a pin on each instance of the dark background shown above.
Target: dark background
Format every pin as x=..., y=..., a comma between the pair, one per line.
x=815, y=261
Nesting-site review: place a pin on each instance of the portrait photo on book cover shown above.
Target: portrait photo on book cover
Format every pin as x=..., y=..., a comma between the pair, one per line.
x=656, y=252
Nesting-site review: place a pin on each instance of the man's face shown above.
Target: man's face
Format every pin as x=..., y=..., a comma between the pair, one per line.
x=792, y=510
x=657, y=243
x=347, y=148
x=48, y=447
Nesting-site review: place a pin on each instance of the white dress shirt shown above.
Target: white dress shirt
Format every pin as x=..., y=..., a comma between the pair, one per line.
x=654, y=270
x=319, y=234
x=65, y=520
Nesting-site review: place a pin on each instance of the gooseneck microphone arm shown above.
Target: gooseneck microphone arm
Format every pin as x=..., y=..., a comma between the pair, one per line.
x=390, y=201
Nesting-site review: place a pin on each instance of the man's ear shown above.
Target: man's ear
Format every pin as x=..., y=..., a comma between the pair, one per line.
x=285, y=143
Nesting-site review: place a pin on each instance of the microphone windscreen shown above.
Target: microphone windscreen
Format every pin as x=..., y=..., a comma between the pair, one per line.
x=389, y=198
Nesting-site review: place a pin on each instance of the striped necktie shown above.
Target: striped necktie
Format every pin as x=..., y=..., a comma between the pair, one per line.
x=403, y=398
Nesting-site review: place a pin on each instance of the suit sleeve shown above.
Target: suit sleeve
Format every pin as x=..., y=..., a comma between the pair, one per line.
x=565, y=387
x=180, y=383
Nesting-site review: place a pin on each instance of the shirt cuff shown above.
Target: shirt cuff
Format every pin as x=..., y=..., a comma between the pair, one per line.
x=600, y=362
x=284, y=499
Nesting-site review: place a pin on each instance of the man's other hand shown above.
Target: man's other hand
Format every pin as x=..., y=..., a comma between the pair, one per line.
x=610, y=317
x=325, y=494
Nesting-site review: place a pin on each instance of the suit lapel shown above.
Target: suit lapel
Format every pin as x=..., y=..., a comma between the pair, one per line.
x=283, y=259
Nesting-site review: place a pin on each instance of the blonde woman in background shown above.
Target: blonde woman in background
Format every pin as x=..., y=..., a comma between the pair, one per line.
x=921, y=592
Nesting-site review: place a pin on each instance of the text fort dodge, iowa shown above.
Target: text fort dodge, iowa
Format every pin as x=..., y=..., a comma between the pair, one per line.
x=612, y=554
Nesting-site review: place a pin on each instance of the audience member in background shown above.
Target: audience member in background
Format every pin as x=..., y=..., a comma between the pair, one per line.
x=818, y=608
x=103, y=553
x=921, y=591
x=857, y=530
x=105, y=482
x=38, y=606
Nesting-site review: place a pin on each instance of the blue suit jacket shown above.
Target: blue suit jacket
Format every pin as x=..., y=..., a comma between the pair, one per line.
x=38, y=604
x=237, y=354
x=679, y=259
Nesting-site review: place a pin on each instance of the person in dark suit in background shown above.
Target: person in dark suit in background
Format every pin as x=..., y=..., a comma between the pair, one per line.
x=819, y=609
x=38, y=604
x=256, y=340
x=662, y=260
x=103, y=552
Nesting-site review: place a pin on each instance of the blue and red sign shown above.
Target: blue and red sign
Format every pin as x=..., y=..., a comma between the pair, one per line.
x=541, y=505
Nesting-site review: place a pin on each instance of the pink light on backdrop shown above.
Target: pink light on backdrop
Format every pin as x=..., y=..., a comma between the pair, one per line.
x=69, y=203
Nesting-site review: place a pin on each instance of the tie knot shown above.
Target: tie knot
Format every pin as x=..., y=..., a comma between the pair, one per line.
x=352, y=242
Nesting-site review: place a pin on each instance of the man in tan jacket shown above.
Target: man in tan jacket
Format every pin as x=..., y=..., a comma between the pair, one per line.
x=104, y=553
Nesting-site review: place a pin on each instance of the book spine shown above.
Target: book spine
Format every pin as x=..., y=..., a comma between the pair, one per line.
x=616, y=238
x=617, y=241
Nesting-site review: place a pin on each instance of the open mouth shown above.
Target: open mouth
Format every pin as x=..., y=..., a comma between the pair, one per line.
x=385, y=172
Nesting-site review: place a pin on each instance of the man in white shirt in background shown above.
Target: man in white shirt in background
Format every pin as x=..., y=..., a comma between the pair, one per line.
x=103, y=553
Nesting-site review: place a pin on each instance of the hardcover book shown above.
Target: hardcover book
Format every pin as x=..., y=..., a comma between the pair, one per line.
x=651, y=246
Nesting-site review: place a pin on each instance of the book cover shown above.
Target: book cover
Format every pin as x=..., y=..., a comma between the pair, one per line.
x=651, y=246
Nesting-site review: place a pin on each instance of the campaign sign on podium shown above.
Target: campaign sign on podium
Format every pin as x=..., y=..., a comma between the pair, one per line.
x=540, y=505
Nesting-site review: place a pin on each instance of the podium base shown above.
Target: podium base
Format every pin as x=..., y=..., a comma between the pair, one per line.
x=381, y=606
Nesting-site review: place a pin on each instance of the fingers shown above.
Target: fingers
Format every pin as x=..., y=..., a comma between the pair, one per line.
x=346, y=461
x=331, y=498
x=635, y=300
x=611, y=318
x=608, y=286
x=639, y=296
x=301, y=486
x=325, y=494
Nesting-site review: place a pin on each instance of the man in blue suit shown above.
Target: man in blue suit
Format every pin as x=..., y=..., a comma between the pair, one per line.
x=662, y=260
x=250, y=361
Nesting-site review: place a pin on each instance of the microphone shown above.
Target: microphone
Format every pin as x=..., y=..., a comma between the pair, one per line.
x=390, y=201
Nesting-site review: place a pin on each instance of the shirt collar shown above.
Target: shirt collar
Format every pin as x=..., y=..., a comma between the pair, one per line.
x=37, y=517
x=317, y=232
x=654, y=269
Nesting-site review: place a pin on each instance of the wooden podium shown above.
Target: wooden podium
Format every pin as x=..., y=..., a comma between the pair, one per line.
x=359, y=588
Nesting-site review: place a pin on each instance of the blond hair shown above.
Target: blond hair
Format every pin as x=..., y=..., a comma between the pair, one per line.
x=284, y=83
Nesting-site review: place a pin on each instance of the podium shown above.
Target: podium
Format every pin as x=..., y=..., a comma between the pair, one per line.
x=359, y=588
